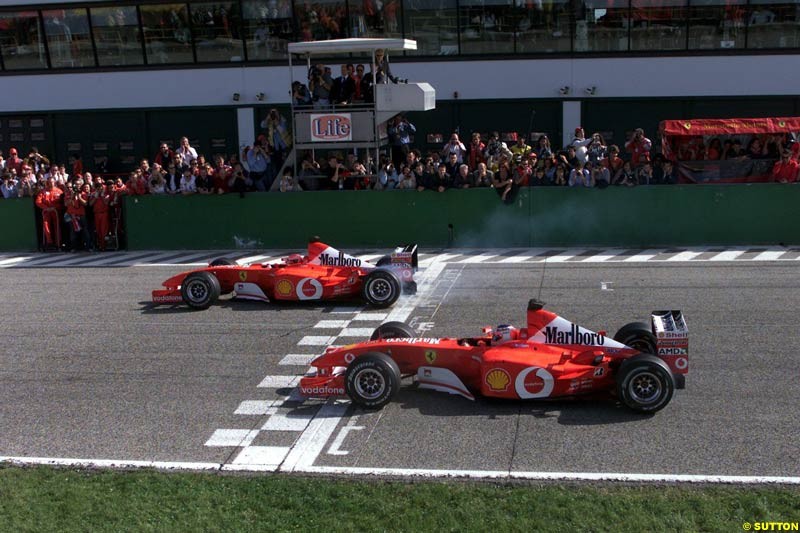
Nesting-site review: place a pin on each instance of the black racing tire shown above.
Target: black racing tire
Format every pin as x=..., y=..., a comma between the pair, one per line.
x=222, y=261
x=645, y=383
x=384, y=261
x=381, y=288
x=393, y=330
x=637, y=335
x=372, y=380
x=200, y=289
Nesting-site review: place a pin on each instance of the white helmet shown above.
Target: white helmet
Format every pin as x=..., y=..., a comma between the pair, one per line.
x=505, y=332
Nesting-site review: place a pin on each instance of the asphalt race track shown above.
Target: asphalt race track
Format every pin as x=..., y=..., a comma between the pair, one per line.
x=91, y=373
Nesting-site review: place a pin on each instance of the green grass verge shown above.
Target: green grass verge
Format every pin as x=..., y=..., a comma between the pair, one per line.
x=48, y=499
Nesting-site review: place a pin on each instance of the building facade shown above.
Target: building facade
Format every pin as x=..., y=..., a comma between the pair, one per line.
x=112, y=79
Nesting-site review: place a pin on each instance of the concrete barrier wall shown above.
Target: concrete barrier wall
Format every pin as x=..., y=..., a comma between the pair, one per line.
x=622, y=217
x=17, y=225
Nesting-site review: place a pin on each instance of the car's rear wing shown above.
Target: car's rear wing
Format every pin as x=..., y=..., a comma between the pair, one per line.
x=672, y=339
x=405, y=255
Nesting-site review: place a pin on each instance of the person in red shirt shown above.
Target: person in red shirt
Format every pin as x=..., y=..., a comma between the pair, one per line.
x=786, y=170
x=49, y=200
x=14, y=162
x=222, y=173
x=639, y=147
x=476, y=149
x=613, y=162
x=164, y=155
x=76, y=202
x=100, y=200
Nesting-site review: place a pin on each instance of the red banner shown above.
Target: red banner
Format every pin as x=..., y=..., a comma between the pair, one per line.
x=728, y=126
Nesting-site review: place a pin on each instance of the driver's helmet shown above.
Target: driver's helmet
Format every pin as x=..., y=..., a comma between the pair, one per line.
x=293, y=259
x=505, y=332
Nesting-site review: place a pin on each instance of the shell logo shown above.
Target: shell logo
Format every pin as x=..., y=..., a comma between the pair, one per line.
x=497, y=379
x=284, y=287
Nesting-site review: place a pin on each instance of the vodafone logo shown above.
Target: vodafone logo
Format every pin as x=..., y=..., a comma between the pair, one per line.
x=534, y=382
x=309, y=289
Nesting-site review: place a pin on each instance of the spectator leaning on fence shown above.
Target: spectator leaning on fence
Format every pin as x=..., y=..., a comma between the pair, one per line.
x=786, y=169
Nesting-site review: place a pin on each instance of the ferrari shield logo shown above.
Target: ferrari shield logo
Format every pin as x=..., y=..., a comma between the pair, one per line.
x=243, y=275
x=430, y=356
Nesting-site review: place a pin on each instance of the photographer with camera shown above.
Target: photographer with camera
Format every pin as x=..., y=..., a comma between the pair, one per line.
x=300, y=95
x=37, y=160
x=238, y=182
x=639, y=147
x=258, y=161
x=9, y=187
x=157, y=184
x=77, y=198
x=288, y=183
x=455, y=146
x=387, y=175
x=319, y=84
x=338, y=174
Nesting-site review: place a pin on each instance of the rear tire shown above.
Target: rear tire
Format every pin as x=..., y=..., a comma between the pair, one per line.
x=645, y=383
x=393, y=330
x=381, y=288
x=372, y=380
x=200, y=289
x=638, y=336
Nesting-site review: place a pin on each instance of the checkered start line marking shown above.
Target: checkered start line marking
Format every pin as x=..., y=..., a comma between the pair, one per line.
x=263, y=446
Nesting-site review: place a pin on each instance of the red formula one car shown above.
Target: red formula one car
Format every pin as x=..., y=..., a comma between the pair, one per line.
x=643, y=364
x=324, y=273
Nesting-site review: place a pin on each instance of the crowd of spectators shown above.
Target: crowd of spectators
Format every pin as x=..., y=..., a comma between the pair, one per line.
x=81, y=211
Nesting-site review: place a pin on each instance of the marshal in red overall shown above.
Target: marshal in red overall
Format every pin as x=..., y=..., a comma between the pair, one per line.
x=324, y=273
x=552, y=357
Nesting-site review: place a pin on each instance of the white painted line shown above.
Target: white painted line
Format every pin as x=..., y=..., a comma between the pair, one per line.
x=603, y=257
x=190, y=259
x=370, y=316
x=728, y=255
x=560, y=258
x=646, y=255
x=336, y=447
x=684, y=256
x=256, y=407
x=271, y=456
x=402, y=311
x=356, y=332
x=440, y=258
x=769, y=255
x=288, y=422
x=342, y=309
x=477, y=258
x=232, y=437
x=108, y=463
x=13, y=261
x=316, y=340
x=332, y=324
x=253, y=259
x=153, y=260
x=278, y=382
x=523, y=256
x=311, y=442
x=298, y=359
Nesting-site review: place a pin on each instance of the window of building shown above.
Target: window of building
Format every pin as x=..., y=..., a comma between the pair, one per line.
x=22, y=40
x=321, y=20
x=434, y=25
x=545, y=27
x=716, y=24
x=167, y=35
x=116, y=36
x=488, y=27
x=773, y=24
x=602, y=26
x=267, y=28
x=658, y=25
x=375, y=18
x=68, y=39
x=215, y=26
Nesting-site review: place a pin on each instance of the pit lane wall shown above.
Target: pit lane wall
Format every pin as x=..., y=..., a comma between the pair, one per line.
x=18, y=228
x=635, y=217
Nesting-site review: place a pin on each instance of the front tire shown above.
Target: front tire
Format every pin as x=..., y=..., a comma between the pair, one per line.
x=381, y=288
x=645, y=383
x=393, y=330
x=638, y=336
x=222, y=261
x=200, y=289
x=372, y=380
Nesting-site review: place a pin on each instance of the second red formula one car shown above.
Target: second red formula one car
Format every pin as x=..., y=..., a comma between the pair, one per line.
x=643, y=364
x=324, y=273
